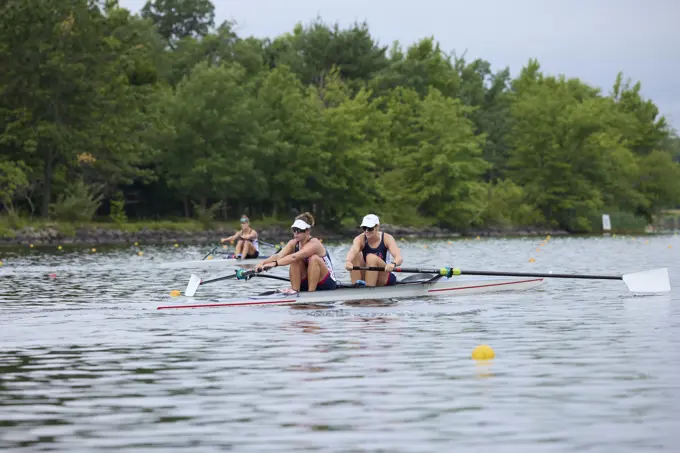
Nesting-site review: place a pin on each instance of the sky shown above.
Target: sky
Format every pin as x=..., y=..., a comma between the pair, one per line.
x=589, y=39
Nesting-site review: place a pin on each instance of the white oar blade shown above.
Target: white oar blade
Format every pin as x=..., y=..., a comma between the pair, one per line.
x=653, y=281
x=194, y=282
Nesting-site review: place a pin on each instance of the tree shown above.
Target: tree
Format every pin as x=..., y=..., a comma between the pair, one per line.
x=179, y=19
x=568, y=150
x=64, y=89
x=438, y=163
x=211, y=149
x=314, y=51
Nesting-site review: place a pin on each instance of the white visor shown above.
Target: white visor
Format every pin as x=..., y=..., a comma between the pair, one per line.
x=301, y=224
x=370, y=221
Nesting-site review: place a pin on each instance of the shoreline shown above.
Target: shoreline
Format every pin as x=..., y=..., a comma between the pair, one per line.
x=101, y=235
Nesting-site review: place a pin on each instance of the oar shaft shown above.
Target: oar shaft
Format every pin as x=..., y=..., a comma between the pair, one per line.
x=527, y=274
x=239, y=274
x=494, y=273
x=226, y=277
x=211, y=252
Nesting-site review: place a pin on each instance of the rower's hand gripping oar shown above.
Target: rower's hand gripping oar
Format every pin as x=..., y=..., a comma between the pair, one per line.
x=651, y=281
x=195, y=281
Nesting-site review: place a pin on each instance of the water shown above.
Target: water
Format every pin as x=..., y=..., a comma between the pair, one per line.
x=88, y=364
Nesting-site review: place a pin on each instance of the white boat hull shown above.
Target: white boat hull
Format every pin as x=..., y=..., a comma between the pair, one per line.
x=454, y=286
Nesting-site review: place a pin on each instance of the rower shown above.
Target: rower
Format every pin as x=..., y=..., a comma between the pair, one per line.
x=310, y=268
x=373, y=248
x=247, y=245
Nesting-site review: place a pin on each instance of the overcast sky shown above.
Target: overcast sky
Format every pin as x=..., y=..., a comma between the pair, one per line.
x=589, y=39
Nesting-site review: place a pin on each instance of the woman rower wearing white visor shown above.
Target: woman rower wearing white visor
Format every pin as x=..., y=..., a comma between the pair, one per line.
x=310, y=268
x=373, y=248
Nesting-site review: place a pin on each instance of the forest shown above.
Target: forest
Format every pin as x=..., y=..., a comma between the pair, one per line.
x=164, y=114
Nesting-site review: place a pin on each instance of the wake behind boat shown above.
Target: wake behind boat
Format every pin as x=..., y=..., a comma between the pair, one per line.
x=415, y=286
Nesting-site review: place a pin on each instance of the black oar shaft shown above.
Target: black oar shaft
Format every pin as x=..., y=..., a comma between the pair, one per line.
x=526, y=274
x=226, y=277
x=494, y=273
x=211, y=252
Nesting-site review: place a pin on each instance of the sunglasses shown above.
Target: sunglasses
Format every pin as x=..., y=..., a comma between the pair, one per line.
x=298, y=230
x=367, y=228
x=244, y=220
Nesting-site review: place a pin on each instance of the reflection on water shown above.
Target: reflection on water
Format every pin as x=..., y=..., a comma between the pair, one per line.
x=88, y=364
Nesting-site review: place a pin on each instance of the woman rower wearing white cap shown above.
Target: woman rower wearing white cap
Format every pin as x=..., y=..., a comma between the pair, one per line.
x=310, y=268
x=373, y=248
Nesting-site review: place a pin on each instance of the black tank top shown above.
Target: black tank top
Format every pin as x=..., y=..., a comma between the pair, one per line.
x=380, y=251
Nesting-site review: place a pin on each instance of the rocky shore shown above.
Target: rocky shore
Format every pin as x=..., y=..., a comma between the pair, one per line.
x=113, y=236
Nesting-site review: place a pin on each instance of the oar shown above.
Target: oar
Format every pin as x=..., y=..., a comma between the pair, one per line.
x=651, y=281
x=211, y=252
x=277, y=247
x=195, y=281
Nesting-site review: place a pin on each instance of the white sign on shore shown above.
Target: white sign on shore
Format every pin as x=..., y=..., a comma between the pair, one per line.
x=606, y=223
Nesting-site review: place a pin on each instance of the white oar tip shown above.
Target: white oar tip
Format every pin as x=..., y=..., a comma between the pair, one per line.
x=193, y=285
x=652, y=281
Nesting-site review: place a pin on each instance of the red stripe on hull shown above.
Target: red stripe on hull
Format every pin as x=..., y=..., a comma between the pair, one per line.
x=484, y=286
x=234, y=304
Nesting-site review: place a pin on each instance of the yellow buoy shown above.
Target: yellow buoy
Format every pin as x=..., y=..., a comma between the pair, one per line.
x=209, y=257
x=140, y=253
x=425, y=246
x=548, y=237
x=542, y=244
x=478, y=238
x=94, y=249
x=136, y=244
x=59, y=247
x=176, y=245
x=175, y=293
x=30, y=245
x=483, y=352
x=670, y=246
x=0, y=263
x=532, y=260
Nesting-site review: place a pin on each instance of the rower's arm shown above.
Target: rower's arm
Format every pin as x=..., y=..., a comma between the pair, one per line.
x=394, y=249
x=285, y=251
x=231, y=238
x=308, y=250
x=250, y=236
x=356, y=248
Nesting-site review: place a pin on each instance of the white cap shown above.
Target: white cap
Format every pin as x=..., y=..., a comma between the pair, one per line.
x=370, y=221
x=299, y=223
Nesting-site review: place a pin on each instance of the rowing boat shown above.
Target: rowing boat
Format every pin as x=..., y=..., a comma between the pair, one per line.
x=227, y=260
x=420, y=286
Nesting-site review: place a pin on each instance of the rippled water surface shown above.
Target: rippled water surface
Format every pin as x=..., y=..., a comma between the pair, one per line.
x=88, y=364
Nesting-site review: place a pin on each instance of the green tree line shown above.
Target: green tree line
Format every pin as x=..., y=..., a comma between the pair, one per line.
x=163, y=114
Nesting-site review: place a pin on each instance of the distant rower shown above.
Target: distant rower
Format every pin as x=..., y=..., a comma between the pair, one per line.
x=247, y=246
